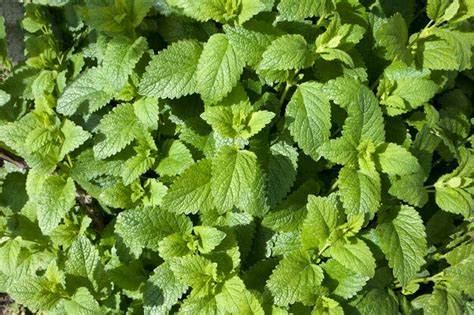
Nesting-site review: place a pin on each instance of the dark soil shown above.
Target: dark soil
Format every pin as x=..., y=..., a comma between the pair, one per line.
x=5, y=302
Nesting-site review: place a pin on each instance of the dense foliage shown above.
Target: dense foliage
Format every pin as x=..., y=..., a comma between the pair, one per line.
x=239, y=156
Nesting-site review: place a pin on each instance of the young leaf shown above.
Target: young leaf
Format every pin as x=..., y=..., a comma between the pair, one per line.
x=294, y=278
x=323, y=217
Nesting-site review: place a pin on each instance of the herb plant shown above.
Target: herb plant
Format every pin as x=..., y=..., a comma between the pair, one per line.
x=239, y=157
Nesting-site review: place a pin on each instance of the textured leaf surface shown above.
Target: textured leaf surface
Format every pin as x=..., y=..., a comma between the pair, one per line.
x=86, y=94
x=232, y=177
x=172, y=73
x=354, y=255
x=287, y=52
x=309, y=115
x=219, y=69
x=402, y=238
x=294, y=278
x=191, y=192
x=141, y=228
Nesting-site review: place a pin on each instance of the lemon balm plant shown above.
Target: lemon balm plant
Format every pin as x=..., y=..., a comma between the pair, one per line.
x=239, y=157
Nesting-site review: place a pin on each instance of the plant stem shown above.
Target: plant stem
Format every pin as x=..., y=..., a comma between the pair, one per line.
x=323, y=249
x=288, y=85
x=13, y=159
x=433, y=278
x=333, y=187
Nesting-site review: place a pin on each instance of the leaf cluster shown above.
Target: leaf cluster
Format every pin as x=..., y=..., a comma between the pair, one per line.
x=239, y=157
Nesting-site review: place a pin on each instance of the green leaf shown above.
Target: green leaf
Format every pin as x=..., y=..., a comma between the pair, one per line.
x=355, y=255
x=289, y=216
x=209, y=238
x=309, y=117
x=136, y=166
x=221, y=11
x=393, y=36
x=441, y=301
x=293, y=10
x=116, y=17
x=82, y=303
x=74, y=136
x=120, y=58
x=250, y=8
x=462, y=44
x=86, y=94
x=191, y=191
x=9, y=253
x=360, y=193
x=339, y=150
x=396, y=160
x=403, y=241
x=410, y=189
x=437, y=55
x=219, y=69
x=147, y=111
x=249, y=44
x=238, y=120
x=35, y=293
x=172, y=73
x=177, y=158
x=119, y=127
x=233, y=177
x=144, y=228
x=454, y=200
x=4, y=98
x=343, y=281
x=325, y=305
x=436, y=9
x=202, y=10
x=405, y=88
x=282, y=167
x=323, y=217
x=197, y=272
x=175, y=245
x=83, y=262
x=162, y=290
x=365, y=121
x=205, y=305
x=56, y=196
x=294, y=279
x=287, y=52
x=232, y=296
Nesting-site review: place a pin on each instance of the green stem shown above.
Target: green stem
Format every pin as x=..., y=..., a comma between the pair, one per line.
x=69, y=161
x=333, y=187
x=320, y=20
x=323, y=249
x=434, y=278
x=285, y=92
x=289, y=83
x=421, y=34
